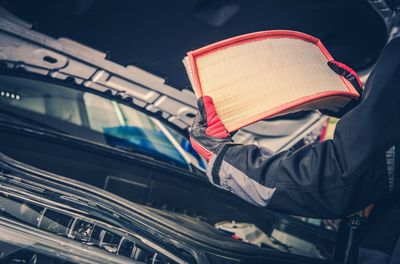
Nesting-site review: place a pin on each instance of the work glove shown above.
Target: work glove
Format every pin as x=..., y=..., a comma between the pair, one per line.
x=353, y=78
x=208, y=134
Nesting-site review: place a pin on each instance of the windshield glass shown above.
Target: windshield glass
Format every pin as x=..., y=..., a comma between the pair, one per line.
x=120, y=125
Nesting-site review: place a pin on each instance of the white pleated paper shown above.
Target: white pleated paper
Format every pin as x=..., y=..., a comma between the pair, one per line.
x=249, y=79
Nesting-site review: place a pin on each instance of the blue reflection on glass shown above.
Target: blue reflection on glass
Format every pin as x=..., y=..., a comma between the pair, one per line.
x=147, y=141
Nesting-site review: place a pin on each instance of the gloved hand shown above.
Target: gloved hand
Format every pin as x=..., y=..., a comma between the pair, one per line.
x=208, y=134
x=353, y=78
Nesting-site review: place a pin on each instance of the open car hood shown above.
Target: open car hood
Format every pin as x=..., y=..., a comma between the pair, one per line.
x=155, y=34
x=24, y=49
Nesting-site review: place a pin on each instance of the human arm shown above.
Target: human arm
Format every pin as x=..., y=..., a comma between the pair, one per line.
x=324, y=180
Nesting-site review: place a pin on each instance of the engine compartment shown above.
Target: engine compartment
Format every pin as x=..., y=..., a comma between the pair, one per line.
x=149, y=182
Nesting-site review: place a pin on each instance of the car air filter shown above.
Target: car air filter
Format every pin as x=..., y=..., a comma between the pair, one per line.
x=265, y=74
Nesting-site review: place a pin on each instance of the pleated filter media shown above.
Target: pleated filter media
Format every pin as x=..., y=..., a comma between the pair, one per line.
x=260, y=78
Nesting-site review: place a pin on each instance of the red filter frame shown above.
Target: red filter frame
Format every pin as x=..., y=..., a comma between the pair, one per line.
x=238, y=40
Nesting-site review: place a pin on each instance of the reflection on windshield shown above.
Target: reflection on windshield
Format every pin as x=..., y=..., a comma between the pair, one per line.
x=122, y=126
x=150, y=141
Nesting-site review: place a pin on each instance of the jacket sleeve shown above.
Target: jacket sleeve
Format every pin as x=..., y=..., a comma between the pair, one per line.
x=328, y=179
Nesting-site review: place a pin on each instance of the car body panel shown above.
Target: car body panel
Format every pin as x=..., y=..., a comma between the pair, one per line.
x=34, y=52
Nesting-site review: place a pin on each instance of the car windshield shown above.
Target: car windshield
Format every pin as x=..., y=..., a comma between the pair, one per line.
x=121, y=126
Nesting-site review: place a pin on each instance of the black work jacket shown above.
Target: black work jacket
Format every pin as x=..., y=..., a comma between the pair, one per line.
x=329, y=179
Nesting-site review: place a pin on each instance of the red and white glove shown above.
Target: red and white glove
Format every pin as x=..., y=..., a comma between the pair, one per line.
x=208, y=134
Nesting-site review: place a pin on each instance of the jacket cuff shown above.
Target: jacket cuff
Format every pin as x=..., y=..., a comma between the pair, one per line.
x=226, y=176
x=214, y=166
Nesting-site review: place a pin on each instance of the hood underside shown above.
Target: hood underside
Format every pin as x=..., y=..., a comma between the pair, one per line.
x=155, y=35
x=27, y=51
x=143, y=40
